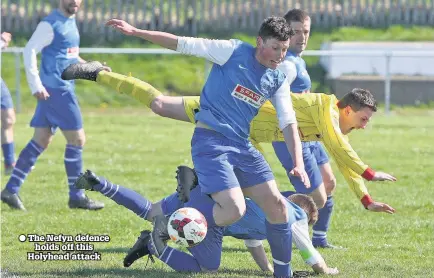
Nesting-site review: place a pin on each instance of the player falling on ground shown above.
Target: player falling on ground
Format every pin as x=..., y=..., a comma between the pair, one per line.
x=228, y=166
x=57, y=38
x=205, y=256
x=316, y=161
x=7, y=117
x=320, y=117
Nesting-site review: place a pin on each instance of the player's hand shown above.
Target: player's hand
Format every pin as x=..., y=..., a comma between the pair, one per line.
x=381, y=176
x=42, y=95
x=121, y=26
x=380, y=207
x=6, y=37
x=332, y=271
x=105, y=67
x=301, y=173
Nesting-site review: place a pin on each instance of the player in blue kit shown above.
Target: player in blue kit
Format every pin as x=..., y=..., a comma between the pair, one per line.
x=316, y=161
x=7, y=117
x=57, y=38
x=228, y=166
x=205, y=256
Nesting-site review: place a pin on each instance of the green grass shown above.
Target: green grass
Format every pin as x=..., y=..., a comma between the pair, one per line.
x=141, y=151
x=186, y=75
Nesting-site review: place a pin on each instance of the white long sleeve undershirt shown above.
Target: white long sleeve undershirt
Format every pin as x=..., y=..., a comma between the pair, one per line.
x=42, y=37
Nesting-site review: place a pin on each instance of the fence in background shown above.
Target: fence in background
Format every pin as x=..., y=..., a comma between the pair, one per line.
x=193, y=16
x=388, y=55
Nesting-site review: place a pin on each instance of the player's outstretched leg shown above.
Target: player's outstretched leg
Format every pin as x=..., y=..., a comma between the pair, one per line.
x=94, y=71
x=121, y=195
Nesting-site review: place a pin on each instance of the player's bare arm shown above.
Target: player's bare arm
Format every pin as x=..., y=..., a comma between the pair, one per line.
x=163, y=39
x=257, y=252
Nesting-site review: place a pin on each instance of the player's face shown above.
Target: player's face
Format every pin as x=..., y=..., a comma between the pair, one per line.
x=355, y=120
x=271, y=51
x=70, y=7
x=301, y=35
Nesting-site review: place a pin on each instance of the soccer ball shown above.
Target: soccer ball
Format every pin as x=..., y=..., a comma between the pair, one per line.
x=187, y=227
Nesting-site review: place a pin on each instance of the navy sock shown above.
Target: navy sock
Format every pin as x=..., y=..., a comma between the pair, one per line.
x=279, y=237
x=319, y=237
x=179, y=260
x=25, y=162
x=73, y=165
x=125, y=197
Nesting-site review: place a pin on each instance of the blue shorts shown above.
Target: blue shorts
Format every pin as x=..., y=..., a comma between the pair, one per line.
x=59, y=110
x=208, y=252
x=221, y=163
x=6, y=99
x=314, y=156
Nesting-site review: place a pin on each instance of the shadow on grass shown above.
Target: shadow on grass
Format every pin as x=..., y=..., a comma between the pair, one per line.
x=102, y=272
x=123, y=272
x=113, y=250
x=235, y=249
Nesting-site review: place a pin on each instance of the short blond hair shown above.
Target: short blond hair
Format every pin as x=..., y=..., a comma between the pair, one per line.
x=307, y=204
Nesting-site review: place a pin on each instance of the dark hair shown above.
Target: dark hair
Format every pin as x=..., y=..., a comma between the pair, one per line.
x=276, y=28
x=296, y=15
x=307, y=204
x=358, y=99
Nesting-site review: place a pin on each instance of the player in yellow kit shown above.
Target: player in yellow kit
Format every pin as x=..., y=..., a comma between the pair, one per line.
x=320, y=117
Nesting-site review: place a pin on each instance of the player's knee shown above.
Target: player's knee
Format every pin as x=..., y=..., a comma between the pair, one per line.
x=330, y=185
x=319, y=199
x=78, y=141
x=42, y=141
x=277, y=210
x=8, y=121
x=238, y=211
x=235, y=211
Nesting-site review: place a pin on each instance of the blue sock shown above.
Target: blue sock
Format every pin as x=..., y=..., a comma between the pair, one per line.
x=73, y=165
x=179, y=260
x=125, y=197
x=319, y=237
x=279, y=237
x=25, y=162
x=9, y=153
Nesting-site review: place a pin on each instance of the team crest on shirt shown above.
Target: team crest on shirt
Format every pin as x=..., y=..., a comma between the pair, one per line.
x=72, y=52
x=250, y=97
x=267, y=84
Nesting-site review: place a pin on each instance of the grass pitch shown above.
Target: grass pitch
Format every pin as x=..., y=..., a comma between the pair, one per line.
x=141, y=151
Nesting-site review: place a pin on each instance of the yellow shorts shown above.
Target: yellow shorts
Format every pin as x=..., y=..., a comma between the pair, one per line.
x=263, y=129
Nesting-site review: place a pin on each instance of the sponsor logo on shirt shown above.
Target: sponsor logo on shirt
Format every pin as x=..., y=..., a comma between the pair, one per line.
x=72, y=52
x=248, y=96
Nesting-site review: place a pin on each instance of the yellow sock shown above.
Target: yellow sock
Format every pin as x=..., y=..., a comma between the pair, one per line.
x=128, y=85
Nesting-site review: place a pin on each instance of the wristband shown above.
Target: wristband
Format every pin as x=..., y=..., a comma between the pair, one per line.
x=368, y=174
x=366, y=201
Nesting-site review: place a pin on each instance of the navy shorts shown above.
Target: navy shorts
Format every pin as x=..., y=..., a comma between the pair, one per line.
x=6, y=99
x=61, y=110
x=314, y=156
x=222, y=163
